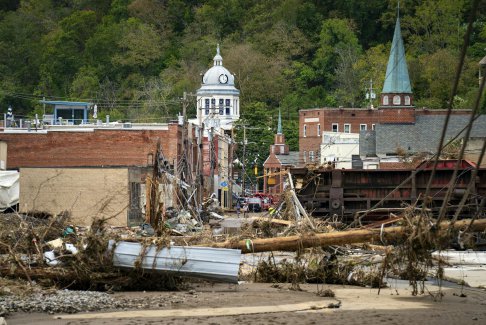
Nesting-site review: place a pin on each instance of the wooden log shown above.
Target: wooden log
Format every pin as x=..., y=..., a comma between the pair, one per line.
x=272, y=220
x=294, y=243
x=148, y=195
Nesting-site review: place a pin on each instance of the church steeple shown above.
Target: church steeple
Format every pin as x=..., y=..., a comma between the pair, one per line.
x=279, y=147
x=397, y=91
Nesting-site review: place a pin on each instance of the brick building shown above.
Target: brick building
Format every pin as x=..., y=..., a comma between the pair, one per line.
x=381, y=130
x=94, y=170
x=278, y=163
x=396, y=124
x=218, y=108
x=93, y=146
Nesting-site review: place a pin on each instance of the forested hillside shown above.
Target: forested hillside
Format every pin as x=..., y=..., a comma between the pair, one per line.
x=135, y=58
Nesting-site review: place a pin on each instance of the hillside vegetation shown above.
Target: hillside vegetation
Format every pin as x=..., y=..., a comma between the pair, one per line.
x=135, y=58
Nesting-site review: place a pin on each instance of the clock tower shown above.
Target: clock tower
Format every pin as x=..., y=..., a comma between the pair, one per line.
x=218, y=101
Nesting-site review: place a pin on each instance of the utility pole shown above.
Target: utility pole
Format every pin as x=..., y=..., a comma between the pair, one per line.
x=211, y=160
x=243, y=166
x=190, y=172
x=370, y=94
x=230, y=168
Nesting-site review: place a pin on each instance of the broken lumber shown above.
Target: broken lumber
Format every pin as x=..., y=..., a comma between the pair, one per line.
x=295, y=243
x=272, y=220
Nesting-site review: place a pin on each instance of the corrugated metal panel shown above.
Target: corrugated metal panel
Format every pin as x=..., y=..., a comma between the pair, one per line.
x=216, y=264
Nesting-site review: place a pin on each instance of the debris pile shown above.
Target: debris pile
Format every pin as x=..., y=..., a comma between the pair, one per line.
x=48, y=251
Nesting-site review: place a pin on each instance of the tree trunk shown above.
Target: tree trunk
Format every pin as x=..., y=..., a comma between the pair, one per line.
x=294, y=243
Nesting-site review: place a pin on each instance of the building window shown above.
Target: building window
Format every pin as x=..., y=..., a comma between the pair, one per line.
x=335, y=127
x=396, y=100
x=305, y=156
x=347, y=128
x=206, y=105
x=305, y=130
x=407, y=100
x=213, y=102
x=373, y=127
x=227, y=102
x=362, y=127
x=318, y=130
x=311, y=156
x=385, y=100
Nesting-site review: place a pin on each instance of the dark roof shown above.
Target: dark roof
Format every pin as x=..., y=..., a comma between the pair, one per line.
x=291, y=159
x=66, y=103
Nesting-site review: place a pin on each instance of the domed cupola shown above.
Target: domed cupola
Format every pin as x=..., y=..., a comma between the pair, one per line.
x=218, y=99
x=218, y=75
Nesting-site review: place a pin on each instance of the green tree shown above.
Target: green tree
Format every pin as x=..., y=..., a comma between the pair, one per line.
x=140, y=46
x=153, y=101
x=85, y=84
x=337, y=36
x=258, y=76
x=436, y=24
x=371, y=67
x=63, y=52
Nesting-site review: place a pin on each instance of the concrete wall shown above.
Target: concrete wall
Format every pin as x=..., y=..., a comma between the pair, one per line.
x=473, y=149
x=85, y=192
x=339, y=147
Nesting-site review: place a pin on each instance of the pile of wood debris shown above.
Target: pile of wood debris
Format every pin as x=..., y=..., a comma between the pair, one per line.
x=49, y=250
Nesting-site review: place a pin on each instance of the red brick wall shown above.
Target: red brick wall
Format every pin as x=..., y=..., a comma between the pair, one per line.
x=354, y=116
x=326, y=117
x=121, y=147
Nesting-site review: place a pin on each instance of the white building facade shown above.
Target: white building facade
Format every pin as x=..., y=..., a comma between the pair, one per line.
x=218, y=108
x=338, y=148
x=218, y=100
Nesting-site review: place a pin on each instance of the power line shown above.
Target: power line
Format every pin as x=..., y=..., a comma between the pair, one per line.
x=453, y=93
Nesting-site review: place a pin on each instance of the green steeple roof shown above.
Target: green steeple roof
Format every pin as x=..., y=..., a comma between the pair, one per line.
x=396, y=78
x=279, y=127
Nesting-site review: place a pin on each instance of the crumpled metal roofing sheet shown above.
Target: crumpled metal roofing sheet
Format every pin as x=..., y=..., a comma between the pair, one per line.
x=217, y=264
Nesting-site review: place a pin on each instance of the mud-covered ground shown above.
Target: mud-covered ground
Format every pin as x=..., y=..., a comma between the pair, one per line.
x=263, y=303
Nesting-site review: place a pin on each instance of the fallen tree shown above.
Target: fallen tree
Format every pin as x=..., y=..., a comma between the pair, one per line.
x=295, y=243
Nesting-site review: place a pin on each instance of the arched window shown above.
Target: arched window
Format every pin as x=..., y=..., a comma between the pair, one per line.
x=407, y=100
x=385, y=100
x=396, y=100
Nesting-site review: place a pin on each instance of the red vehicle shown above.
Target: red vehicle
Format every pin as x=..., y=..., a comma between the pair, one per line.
x=267, y=200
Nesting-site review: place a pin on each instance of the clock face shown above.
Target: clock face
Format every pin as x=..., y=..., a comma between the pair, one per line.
x=223, y=78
